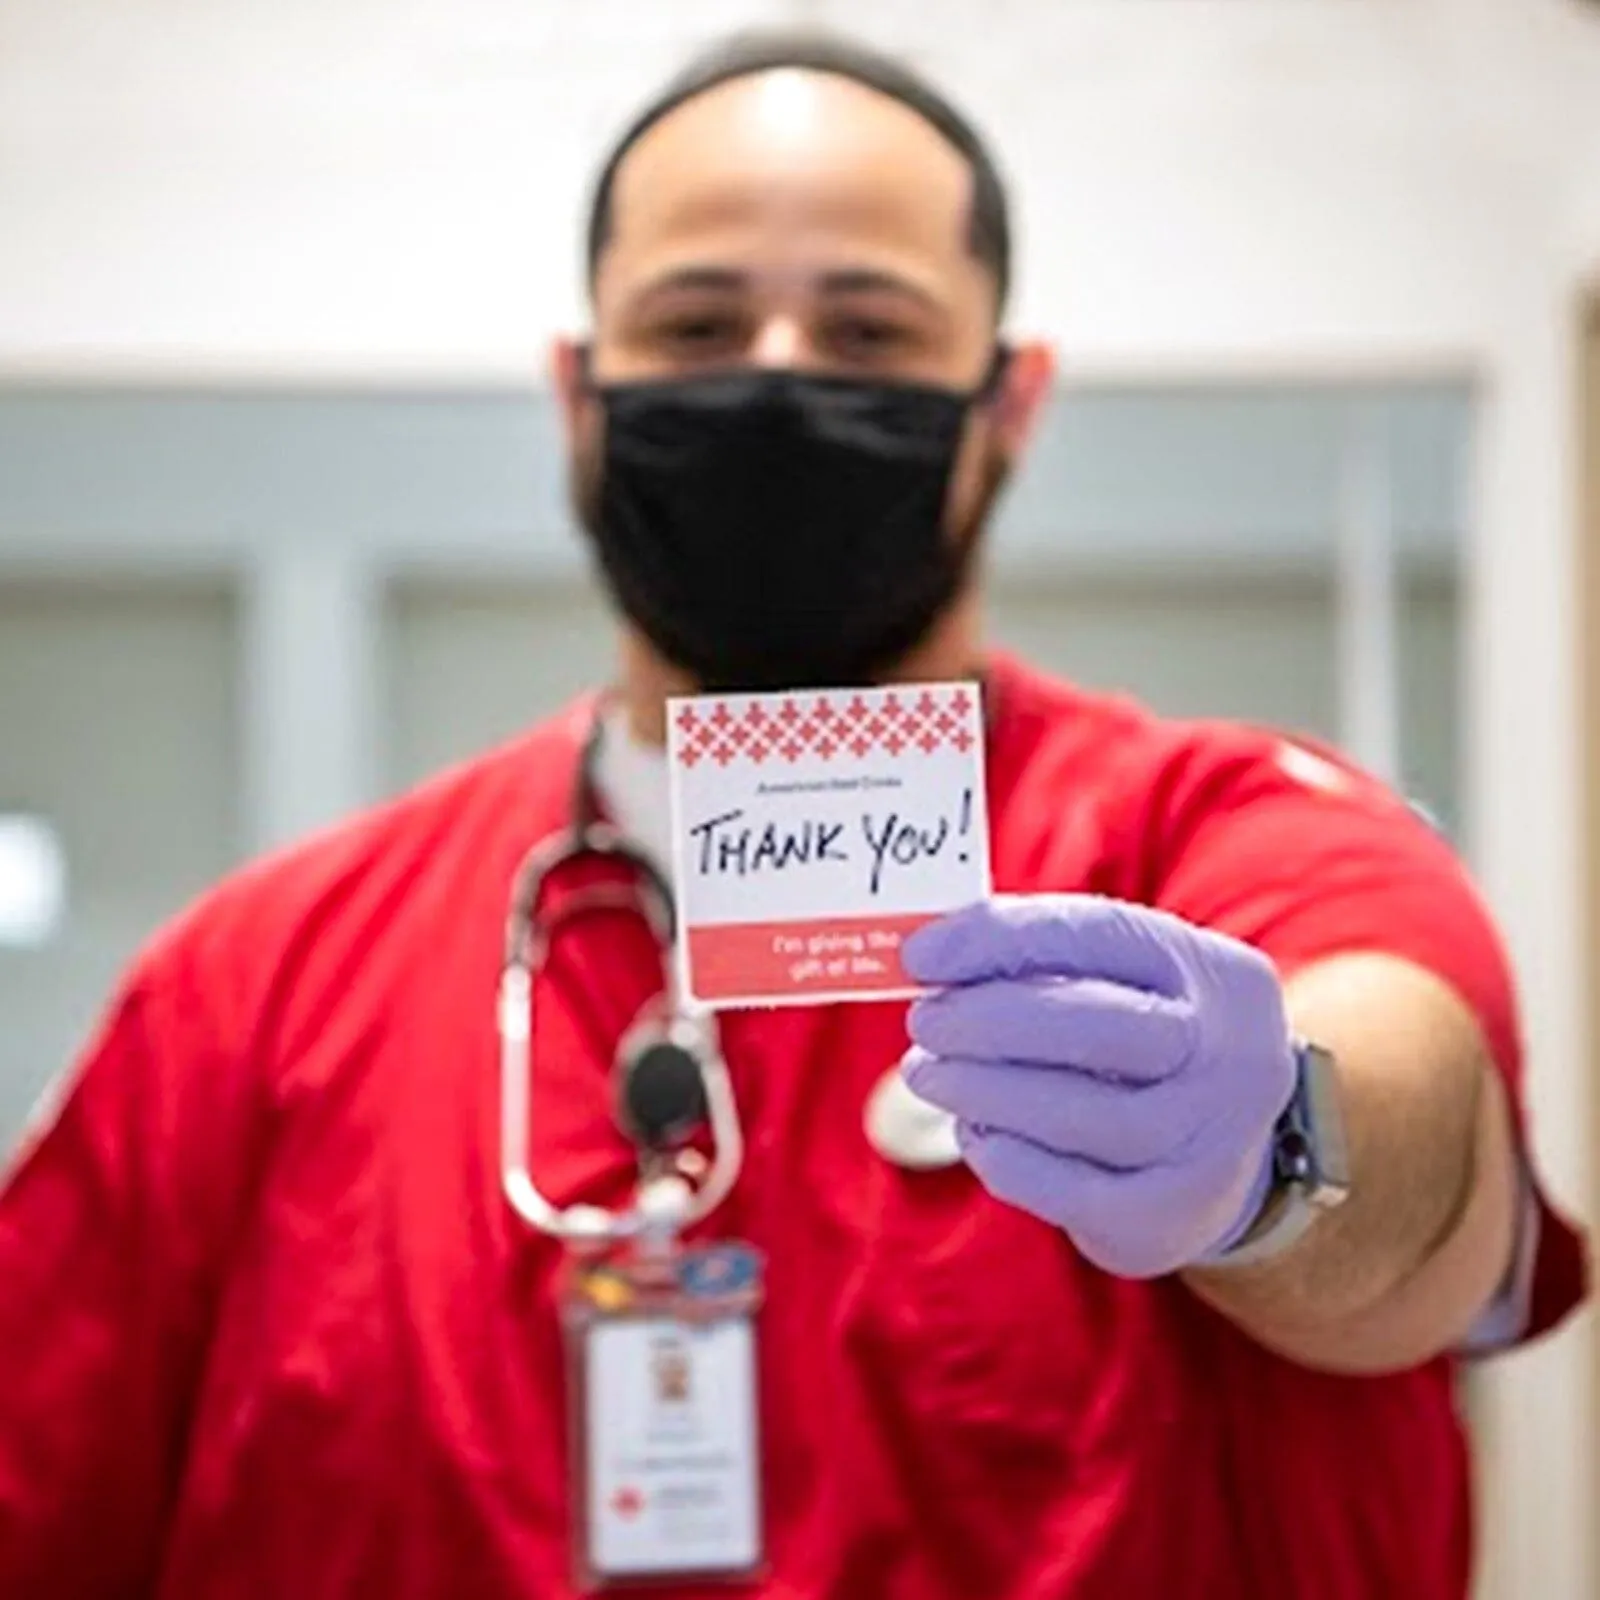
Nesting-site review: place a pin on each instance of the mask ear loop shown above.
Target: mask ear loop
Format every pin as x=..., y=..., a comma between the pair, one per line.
x=994, y=375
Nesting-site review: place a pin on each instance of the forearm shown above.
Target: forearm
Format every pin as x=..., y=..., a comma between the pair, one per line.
x=1401, y=1270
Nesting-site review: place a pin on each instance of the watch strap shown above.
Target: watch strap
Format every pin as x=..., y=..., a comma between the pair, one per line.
x=1283, y=1218
x=1299, y=1188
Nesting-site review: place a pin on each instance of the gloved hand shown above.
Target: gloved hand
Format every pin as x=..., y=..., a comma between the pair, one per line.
x=1112, y=1069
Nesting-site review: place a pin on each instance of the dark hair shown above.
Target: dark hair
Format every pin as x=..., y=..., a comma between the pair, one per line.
x=744, y=54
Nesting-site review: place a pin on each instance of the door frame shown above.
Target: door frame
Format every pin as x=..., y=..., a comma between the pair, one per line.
x=1586, y=530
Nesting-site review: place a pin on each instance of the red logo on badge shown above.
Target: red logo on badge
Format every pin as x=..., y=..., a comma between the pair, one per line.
x=627, y=1503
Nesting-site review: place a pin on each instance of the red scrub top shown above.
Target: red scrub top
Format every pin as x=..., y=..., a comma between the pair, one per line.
x=269, y=1329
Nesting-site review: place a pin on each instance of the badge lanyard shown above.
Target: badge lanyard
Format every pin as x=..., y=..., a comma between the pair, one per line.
x=660, y=1336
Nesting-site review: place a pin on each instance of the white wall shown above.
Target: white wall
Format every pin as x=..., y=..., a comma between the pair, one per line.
x=351, y=187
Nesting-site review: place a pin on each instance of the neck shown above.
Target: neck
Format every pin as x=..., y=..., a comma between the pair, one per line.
x=952, y=650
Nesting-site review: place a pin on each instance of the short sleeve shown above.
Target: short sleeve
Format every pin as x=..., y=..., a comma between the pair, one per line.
x=1288, y=848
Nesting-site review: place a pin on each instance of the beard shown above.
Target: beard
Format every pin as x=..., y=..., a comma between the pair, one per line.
x=734, y=625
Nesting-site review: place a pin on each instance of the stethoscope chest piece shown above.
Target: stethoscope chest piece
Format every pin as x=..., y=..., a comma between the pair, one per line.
x=908, y=1132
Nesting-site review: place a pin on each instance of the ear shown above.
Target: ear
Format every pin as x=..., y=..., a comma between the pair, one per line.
x=569, y=360
x=1024, y=390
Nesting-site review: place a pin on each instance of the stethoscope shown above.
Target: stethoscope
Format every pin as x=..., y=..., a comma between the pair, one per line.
x=669, y=1075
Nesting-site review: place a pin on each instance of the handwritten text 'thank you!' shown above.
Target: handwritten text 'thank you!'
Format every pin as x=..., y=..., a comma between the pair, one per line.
x=733, y=844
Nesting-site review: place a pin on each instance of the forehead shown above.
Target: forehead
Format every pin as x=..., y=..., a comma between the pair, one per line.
x=792, y=168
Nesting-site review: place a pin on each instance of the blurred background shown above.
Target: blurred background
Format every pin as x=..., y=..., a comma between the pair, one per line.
x=282, y=522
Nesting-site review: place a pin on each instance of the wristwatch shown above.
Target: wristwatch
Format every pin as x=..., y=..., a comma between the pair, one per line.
x=1310, y=1162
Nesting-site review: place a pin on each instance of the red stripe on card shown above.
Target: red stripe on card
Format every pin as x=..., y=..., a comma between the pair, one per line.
x=829, y=955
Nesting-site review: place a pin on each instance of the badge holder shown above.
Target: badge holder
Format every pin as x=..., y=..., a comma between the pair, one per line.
x=664, y=1419
x=663, y=1416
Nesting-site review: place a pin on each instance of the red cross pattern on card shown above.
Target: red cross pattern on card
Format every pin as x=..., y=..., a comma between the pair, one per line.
x=832, y=727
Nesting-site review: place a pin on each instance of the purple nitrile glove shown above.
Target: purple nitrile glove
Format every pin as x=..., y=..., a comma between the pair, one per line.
x=1112, y=1069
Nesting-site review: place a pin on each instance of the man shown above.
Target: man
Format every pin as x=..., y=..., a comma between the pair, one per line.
x=269, y=1327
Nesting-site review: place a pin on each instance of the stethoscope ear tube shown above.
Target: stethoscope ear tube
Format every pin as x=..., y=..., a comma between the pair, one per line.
x=527, y=938
x=666, y=1203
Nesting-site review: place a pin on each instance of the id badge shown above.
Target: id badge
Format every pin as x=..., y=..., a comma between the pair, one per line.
x=664, y=1417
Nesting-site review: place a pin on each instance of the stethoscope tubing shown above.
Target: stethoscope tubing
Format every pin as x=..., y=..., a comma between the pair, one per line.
x=529, y=934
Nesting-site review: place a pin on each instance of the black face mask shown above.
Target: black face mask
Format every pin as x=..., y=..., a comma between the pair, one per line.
x=779, y=530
